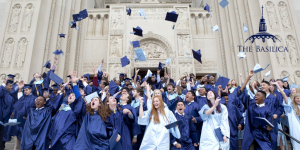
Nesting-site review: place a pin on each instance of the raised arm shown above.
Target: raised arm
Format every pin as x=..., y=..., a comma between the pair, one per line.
x=54, y=63
x=141, y=110
x=148, y=91
x=248, y=78
x=209, y=111
x=135, y=76
x=291, y=79
x=242, y=79
x=95, y=79
x=158, y=76
x=282, y=92
x=188, y=82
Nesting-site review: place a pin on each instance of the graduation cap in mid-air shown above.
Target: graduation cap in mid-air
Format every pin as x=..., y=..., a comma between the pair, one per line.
x=83, y=14
x=47, y=64
x=142, y=13
x=171, y=16
x=77, y=17
x=224, y=3
x=58, y=52
x=125, y=61
x=222, y=81
x=197, y=55
x=136, y=44
x=187, y=54
x=215, y=28
x=73, y=24
x=138, y=31
x=62, y=35
x=168, y=61
x=207, y=7
x=241, y=54
x=285, y=79
x=91, y=96
x=140, y=54
x=113, y=88
x=161, y=66
x=268, y=74
x=245, y=28
x=128, y=11
x=257, y=68
x=149, y=74
x=44, y=75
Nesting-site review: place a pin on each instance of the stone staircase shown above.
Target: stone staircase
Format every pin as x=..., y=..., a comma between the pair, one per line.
x=10, y=145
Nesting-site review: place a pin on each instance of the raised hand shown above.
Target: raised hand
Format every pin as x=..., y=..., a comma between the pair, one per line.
x=240, y=74
x=137, y=71
x=21, y=84
x=74, y=77
x=158, y=71
x=95, y=71
x=251, y=73
x=127, y=111
x=220, y=87
x=217, y=101
x=188, y=77
x=102, y=61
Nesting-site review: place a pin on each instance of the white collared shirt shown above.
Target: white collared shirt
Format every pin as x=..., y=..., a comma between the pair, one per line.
x=39, y=108
x=260, y=105
x=191, y=102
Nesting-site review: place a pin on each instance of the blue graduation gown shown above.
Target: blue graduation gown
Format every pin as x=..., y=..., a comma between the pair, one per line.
x=121, y=123
x=93, y=134
x=189, y=106
x=6, y=108
x=21, y=108
x=37, y=126
x=186, y=129
x=63, y=127
x=169, y=99
x=235, y=118
x=68, y=91
x=254, y=130
x=201, y=101
x=210, y=87
x=134, y=127
x=275, y=105
x=37, y=89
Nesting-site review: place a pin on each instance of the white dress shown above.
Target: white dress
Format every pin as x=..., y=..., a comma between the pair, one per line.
x=211, y=122
x=294, y=123
x=156, y=135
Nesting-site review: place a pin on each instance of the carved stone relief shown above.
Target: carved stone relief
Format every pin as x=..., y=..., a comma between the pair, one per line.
x=185, y=69
x=116, y=46
x=15, y=17
x=2, y=76
x=284, y=74
x=292, y=48
x=8, y=52
x=183, y=45
x=153, y=49
x=114, y=69
x=272, y=15
x=297, y=77
x=17, y=77
x=27, y=18
x=21, y=52
x=150, y=13
x=280, y=56
x=183, y=18
x=284, y=15
x=117, y=18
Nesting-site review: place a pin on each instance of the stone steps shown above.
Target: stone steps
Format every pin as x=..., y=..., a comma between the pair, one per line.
x=10, y=145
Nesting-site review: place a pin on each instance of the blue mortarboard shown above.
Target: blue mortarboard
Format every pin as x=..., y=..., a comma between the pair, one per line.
x=268, y=74
x=168, y=61
x=122, y=74
x=206, y=7
x=113, y=88
x=285, y=79
x=173, y=106
x=73, y=24
x=44, y=75
x=47, y=64
x=83, y=14
x=245, y=28
x=113, y=144
x=142, y=13
x=62, y=35
x=55, y=85
x=91, y=96
x=264, y=121
x=241, y=54
x=222, y=81
x=127, y=79
x=197, y=55
x=125, y=61
x=174, y=124
x=136, y=44
x=257, y=68
x=140, y=54
x=149, y=74
x=128, y=11
x=161, y=66
x=215, y=28
x=10, y=75
x=69, y=76
x=9, y=82
x=224, y=3
x=171, y=16
x=87, y=76
x=138, y=31
x=137, y=77
x=27, y=86
x=58, y=52
x=76, y=17
x=55, y=78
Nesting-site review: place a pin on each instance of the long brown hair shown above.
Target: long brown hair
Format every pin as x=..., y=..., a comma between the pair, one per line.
x=154, y=111
x=107, y=109
x=179, y=90
x=236, y=84
x=295, y=105
x=101, y=111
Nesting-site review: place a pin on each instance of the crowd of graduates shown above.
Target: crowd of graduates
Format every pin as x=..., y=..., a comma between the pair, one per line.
x=89, y=113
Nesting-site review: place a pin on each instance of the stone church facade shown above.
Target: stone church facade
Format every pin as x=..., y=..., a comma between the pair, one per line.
x=30, y=28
